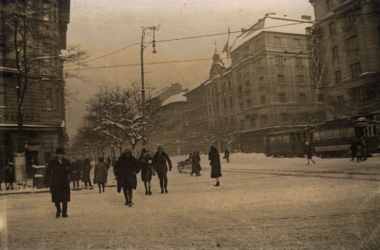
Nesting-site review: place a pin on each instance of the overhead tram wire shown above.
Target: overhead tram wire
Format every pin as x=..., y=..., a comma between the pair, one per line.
x=210, y=35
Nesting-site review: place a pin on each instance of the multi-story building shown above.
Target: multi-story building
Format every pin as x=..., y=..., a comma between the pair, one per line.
x=345, y=50
x=195, y=126
x=267, y=84
x=44, y=24
x=168, y=128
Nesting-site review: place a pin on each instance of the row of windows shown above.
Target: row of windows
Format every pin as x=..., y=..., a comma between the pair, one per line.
x=48, y=98
x=356, y=71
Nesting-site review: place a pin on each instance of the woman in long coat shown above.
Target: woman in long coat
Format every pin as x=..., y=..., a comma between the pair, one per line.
x=57, y=177
x=86, y=168
x=309, y=150
x=9, y=175
x=100, y=174
x=195, y=164
x=75, y=176
x=214, y=158
x=146, y=170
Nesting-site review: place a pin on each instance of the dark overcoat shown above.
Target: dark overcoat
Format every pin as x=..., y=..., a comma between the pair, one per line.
x=76, y=171
x=309, y=150
x=100, y=173
x=57, y=178
x=9, y=173
x=126, y=169
x=195, y=163
x=86, y=168
x=159, y=162
x=214, y=158
x=146, y=167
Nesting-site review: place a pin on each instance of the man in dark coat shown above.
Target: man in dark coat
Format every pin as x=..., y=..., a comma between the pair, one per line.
x=309, y=150
x=126, y=169
x=227, y=155
x=214, y=158
x=363, y=145
x=354, y=149
x=159, y=163
x=57, y=178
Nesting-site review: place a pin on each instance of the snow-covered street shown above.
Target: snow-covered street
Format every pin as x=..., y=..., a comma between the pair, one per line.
x=262, y=203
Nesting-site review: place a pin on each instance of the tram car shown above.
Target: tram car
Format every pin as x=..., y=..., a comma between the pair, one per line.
x=334, y=138
x=286, y=143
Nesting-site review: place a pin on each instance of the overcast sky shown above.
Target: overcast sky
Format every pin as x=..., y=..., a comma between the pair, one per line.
x=103, y=27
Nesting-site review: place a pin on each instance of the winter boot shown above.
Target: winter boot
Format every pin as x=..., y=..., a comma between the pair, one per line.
x=217, y=184
x=150, y=193
x=162, y=186
x=166, y=185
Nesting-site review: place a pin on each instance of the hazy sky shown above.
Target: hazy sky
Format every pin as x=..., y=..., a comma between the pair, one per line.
x=106, y=26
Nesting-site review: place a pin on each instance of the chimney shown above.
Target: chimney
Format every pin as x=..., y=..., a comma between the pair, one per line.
x=305, y=17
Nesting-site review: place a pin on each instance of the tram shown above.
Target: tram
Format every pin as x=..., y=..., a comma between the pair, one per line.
x=287, y=143
x=334, y=138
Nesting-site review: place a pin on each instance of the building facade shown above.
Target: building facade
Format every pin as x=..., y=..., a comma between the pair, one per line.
x=345, y=50
x=45, y=24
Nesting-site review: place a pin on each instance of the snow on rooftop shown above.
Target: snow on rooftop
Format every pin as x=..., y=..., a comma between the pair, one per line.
x=273, y=23
x=175, y=98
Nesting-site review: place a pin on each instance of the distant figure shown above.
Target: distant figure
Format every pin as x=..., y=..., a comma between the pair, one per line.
x=190, y=156
x=9, y=175
x=108, y=161
x=100, y=174
x=146, y=162
x=354, y=149
x=159, y=162
x=86, y=168
x=363, y=145
x=195, y=164
x=214, y=158
x=227, y=155
x=309, y=150
x=126, y=169
x=57, y=178
x=75, y=175
x=1, y=172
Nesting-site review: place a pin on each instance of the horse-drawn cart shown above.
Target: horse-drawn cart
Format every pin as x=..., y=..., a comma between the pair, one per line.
x=184, y=166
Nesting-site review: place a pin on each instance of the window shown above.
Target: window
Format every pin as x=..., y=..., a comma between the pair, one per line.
x=263, y=119
x=217, y=106
x=229, y=85
x=247, y=83
x=352, y=43
x=241, y=105
x=3, y=95
x=321, y=98
x=240, y=90
x=355, y=70
x=49, y=101
x=341, y=100
x=277, y=40
x=328, y=5
x=280, y=79
x=252, y=121
x=249, y=103
x=297, y=43
x=300, y=80
x=332, y=29
x=261, y=85
x=284, y=117
x=262, y=100
x=241, y=124
x=302, y=97
x=2, y=43
x=282, y=98
x=225, y=103
x=58, y=100
x=224, y=87
x=338, y=78
x=46, y=11
x=231, y=103
x=299, y=62
x=350, y=17
x=278, y=60
x=335, y=53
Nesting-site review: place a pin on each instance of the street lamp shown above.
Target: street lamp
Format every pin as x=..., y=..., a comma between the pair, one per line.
x=153, y=28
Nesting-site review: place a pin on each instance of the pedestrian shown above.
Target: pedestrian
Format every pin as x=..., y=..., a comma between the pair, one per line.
x=108, y=162
x=1, y=172
x=309, y=150
x=100, y=174
x=214, y=158
x=195, y=164
x=75, y=176
x=146, y=170
x=363, y=146
x=227, y=155
x=354, y=149
x=9, y=175
x=57, y=178
x=126, y=169
x=86, y=168
x=159, y=163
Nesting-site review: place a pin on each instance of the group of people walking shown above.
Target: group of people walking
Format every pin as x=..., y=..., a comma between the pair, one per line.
x=359, y=150
x=60, y=172
x=7, y=173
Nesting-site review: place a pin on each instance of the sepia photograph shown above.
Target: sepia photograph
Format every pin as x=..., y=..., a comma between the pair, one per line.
x=174, y=124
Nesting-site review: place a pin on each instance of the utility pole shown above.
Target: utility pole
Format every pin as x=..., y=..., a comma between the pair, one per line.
x=152, y=28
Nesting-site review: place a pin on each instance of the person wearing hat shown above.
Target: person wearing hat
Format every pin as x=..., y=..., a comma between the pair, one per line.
x=159, y=163
x=126, y=169
x=57, y=178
